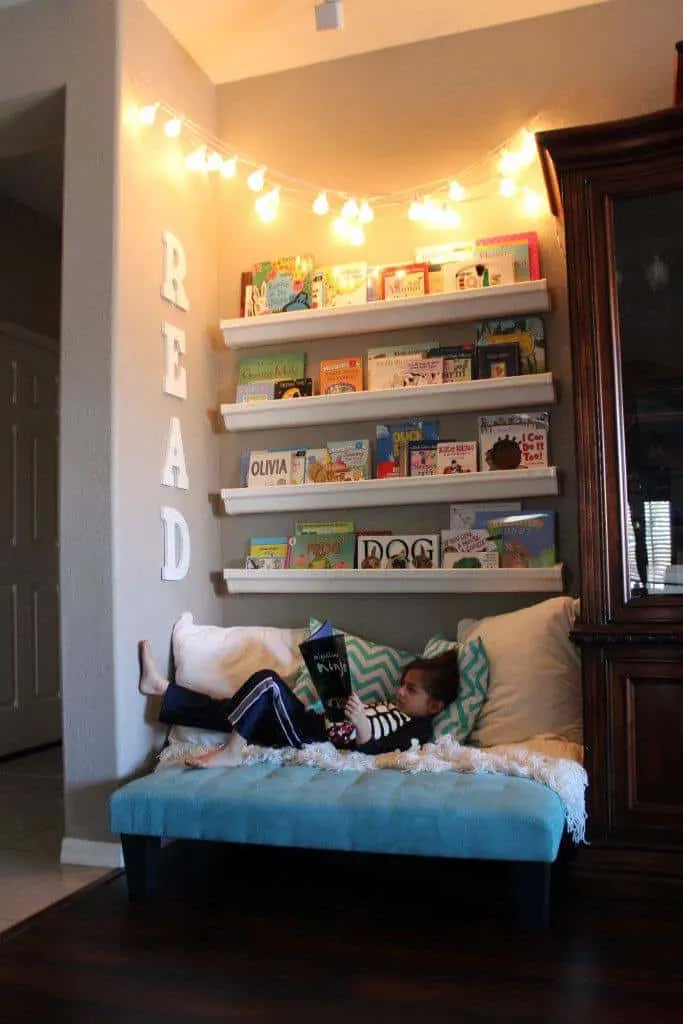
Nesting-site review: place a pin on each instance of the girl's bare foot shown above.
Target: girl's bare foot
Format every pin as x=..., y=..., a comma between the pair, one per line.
x=228, y=755
x=152, y=683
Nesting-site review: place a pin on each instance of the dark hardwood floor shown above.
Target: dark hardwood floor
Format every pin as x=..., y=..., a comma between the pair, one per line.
x=274, y=936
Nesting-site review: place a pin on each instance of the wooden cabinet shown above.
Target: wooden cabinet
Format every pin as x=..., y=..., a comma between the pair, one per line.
x=619, y=189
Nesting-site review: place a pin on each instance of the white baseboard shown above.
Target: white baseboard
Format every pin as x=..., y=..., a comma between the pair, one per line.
x=91, y=854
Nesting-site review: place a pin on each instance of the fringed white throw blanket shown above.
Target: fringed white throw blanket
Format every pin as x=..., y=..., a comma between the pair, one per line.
x=565, y=777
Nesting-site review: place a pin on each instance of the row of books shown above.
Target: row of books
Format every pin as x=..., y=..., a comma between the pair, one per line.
x=492, y=537
x=502, y=348
x=292, y=283
x=406, y=448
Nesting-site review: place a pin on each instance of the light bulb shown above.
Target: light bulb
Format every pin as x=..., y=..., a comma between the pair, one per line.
x=214, y=162
x=257, y=179
x=507, y=187
x=196, y=161
x=147, y=115
x=229, y=167
x=416, y=211
x=356, y=235
x=320, y=204
x=450, y=218
x=341, y=228
x=509, y=163
x=173, y=127
x=365, y=214
x=527, y=152
x=350, y=209
x=456, y=192
x=267, y=205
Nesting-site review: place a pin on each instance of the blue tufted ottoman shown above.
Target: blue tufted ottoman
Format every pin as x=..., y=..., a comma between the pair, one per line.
x=483, y=817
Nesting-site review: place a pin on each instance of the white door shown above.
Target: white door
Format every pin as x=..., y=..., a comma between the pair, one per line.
x=30, y=706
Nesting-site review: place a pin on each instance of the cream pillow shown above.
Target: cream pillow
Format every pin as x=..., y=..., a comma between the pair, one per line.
x=217, y=660
x=535, y=674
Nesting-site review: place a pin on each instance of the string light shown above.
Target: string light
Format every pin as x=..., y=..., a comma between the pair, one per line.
x=433, y=204
x=257, y=179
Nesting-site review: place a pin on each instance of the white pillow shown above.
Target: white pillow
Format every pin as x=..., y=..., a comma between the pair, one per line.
x=535, y=674
x=217, y=660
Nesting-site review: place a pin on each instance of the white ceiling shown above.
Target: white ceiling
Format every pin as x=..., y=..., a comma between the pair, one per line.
x=237, y=39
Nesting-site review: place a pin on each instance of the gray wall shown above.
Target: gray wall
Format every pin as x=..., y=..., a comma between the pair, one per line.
x=386, y=121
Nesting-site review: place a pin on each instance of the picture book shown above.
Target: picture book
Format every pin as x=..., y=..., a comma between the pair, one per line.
x=325, y=657
x=299, y=388
x=422, y=458
x=392, y=444
x=268, y=553
x=256, y=391
x=298, y=471
x=513, y=441
x=304, y=526
x=527, y=331
x=522, y=248
x=419, y=373
x=465, y=541
x=269, y=469
x=387, y=372
x=482, y=270
x=398, y=551
x=471, y=560
x=285, y=366
x=323, y=550
x=463, y=517
x=345, y=284
x=280, y=285
x=456, y=457
x=458, y=362
x=341, y=375
x=498, y=360
x=317, y=462
x=525, y=540
x=348, y=461
x=404, y=281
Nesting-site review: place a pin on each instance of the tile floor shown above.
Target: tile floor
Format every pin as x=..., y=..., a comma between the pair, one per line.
x=31, y=830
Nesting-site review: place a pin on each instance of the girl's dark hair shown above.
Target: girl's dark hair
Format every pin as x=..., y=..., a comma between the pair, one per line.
x=440, y=675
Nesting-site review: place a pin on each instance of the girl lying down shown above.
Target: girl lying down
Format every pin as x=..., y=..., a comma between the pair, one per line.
x=266, y=712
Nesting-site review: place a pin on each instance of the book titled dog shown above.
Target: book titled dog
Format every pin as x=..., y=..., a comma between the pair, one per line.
x=398, y=551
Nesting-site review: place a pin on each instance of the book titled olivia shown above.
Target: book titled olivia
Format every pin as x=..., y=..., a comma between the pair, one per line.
x=269, y=469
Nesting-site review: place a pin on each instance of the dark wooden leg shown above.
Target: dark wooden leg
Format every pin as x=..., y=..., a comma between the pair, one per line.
x=141, y=856
x=531, y=892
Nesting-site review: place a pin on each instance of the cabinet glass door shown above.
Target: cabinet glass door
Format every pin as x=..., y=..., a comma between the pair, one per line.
x=648, y=253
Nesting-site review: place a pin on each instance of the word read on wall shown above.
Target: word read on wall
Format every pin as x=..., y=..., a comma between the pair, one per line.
x=174, y=384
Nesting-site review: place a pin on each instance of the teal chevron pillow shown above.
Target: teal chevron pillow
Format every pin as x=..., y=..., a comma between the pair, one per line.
x=459, y=718
x=376, y=669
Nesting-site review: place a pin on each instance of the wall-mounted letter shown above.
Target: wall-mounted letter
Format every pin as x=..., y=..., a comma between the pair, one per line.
x=175, y=377
x=175, y=471
x=174, y=272
x=176, y=545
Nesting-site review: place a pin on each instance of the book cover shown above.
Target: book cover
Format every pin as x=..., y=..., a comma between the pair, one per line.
x=269, y=469
x=456, y=457
x=397, y=551
x=268, y=553
x=465, y=541
x=525, y=540
x=422, y=458
x=305, y=526
x=317, y=462
x=256, y=391
x=463, y=517
x=349, y=460
x=391, y=449
x=458, y=362
x=285, y=366
x=387, y=372
x=527, y=331
x=419, y=373
x=498, y=360
x=345, y=284
x=323, y=551
x=513, y=441
x=293, y=388
x=281, y=285
x=471, y=560
x=524, y=249
x=246, y=278
x=341, y=375
x=483, y=270
x=327, y=662
x=404, y=281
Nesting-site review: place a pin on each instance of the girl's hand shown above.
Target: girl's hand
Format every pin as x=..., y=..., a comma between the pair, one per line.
x=355, y=712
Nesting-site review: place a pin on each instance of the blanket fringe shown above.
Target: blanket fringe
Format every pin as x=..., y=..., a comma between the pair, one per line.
x=565, y=777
